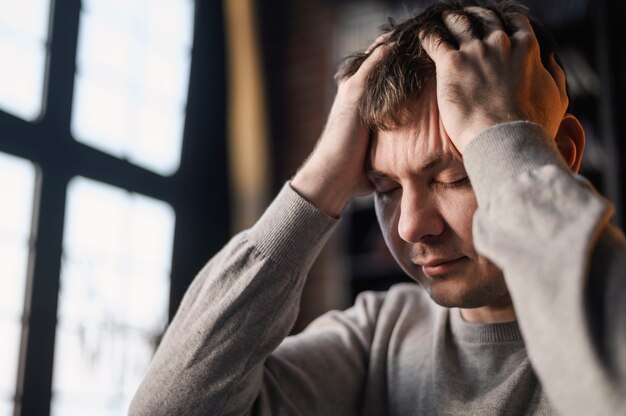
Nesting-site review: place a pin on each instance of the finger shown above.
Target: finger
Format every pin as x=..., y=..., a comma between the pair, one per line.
x=374, y=58
x=377, y=42
x=523, y=37
x=459, y=26
x=434, y=45
x=489, y=19
x=494, y=31
x=520, y=24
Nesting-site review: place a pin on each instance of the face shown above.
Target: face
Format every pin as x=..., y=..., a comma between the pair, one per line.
x=425, y=204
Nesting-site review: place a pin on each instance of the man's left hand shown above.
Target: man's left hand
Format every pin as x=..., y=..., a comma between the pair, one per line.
x=494, y=79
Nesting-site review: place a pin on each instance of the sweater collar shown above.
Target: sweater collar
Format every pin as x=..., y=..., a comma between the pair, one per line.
x=483, y=333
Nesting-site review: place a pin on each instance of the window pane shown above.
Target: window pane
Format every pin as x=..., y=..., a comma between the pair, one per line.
x=23, y=37
x=27, y=18
x=17, y=184
x=13, y=266
x=114, y=296
x=9, y=347
x=132, y=79
x=102, y=112
x=6, y=407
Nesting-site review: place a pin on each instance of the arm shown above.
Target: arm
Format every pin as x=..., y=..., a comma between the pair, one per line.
x=564, y=264
x=235, y=313
x=220, y=354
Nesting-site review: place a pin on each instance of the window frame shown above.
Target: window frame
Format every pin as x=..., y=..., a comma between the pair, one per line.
x=202, y=225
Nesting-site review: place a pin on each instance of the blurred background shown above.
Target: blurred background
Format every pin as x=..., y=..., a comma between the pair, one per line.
x=137, y=136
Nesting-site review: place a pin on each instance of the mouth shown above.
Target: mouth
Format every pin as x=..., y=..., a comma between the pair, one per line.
x=442, y=266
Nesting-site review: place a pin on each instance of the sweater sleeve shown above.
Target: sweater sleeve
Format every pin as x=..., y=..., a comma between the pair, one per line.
x=563, y=262
x=215, y=356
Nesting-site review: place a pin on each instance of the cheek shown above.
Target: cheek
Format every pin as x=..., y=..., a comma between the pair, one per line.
x=459, y=213
x=383, y=216
x=387, y=216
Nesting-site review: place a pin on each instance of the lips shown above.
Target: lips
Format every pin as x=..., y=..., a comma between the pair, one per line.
x=438, y=261
x=440, y=266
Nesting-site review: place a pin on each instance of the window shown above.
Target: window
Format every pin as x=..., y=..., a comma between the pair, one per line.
x=132, y=75
x=83, y=306
x=23, y=37
x=17, y=187
x=117, y=252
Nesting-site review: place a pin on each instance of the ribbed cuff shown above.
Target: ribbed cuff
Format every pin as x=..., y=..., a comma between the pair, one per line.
x=291, y=231
x=504, y=151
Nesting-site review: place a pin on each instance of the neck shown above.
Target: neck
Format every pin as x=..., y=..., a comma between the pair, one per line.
x=501, y=311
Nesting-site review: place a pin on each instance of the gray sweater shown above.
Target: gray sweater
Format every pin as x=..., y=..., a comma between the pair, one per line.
x=397, y=353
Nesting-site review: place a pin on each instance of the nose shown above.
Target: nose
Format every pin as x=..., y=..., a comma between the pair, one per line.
x=420, y=217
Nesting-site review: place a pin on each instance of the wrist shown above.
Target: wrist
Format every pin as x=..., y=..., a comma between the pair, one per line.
x=471, y=133
x=478, y=125
x=326, y=194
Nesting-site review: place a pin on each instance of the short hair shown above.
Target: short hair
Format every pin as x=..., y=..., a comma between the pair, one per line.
x=406, y=68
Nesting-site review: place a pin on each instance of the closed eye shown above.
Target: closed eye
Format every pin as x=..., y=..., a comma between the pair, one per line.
x=460, y=183
x=386, y=192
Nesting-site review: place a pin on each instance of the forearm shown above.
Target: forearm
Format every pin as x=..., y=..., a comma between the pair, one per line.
x=540, y=224
x=236, y=312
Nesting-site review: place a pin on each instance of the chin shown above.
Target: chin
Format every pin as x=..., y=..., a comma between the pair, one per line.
x=465, y=292
x=474, y=285
x=462, y=300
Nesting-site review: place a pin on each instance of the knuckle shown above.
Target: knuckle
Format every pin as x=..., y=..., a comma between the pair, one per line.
x=480, y=49
x=458, y=20
x=501, y=40
x=526, y=41
x=454, y=60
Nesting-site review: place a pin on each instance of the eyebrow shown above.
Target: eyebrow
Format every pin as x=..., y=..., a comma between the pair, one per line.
x=434, y=162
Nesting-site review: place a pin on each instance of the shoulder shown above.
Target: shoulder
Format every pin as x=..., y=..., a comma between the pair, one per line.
x=401, y=303
x=374, y=321
x=373, y=308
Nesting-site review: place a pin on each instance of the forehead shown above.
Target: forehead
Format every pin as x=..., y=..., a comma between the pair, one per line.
x=415, y=144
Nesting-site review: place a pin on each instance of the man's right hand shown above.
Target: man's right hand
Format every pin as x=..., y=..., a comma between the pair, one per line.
x=334, y=172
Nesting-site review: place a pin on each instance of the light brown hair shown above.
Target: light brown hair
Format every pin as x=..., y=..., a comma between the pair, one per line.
x=406, y=68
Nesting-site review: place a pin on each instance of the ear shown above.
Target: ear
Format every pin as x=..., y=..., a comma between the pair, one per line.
x=570, y=140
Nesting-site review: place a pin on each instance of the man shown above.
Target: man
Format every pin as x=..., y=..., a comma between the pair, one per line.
x=477, y=200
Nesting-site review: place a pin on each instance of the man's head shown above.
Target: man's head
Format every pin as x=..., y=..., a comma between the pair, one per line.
x=424, y=200
x=406, y=68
